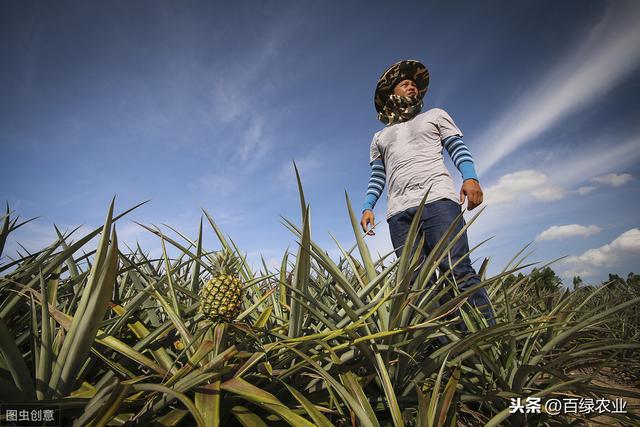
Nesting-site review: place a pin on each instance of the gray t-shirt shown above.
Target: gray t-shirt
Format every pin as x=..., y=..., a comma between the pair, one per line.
x=413, y=161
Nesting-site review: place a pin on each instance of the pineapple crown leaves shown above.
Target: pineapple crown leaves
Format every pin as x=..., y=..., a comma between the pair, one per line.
x=226, y=262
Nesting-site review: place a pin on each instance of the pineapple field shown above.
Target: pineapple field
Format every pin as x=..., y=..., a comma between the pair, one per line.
x=108, y=337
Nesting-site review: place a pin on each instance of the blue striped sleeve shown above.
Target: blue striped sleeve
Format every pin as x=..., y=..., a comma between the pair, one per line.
x=375, y=186
x=461, y=157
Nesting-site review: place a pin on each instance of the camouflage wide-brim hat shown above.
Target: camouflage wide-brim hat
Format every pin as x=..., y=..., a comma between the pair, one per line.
x=402, y=70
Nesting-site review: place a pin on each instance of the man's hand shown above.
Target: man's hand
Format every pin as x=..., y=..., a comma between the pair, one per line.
x=367, y=222
x=471, y=189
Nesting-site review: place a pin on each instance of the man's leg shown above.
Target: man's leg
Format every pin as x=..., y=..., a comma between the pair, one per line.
x=399, y=225
x=436, y=219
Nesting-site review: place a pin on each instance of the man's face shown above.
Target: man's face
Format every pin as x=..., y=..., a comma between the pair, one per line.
x=406, y=88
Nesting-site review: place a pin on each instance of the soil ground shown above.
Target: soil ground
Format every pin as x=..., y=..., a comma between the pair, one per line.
x=609, y=379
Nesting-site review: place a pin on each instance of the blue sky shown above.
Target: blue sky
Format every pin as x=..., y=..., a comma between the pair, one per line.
x=199, y=104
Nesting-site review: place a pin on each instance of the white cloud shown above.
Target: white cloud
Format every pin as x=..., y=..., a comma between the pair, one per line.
x=608, y=54
x=549, y=194
x=563, y=231
x=513, y=185
x=612, y=179
x=623, y=247
x=37, y=235
x=520, y=184
x=32, y=236
x=130, y=233
x=583, y=191
x=271, y=257
x=380, y=243
x=569, y=274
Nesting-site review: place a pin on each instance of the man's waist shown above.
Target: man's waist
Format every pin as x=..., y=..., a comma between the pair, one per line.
x=400, y=205
x=401, y=185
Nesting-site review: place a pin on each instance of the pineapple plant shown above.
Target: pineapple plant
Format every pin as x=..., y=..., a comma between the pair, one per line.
x=353, y=354
x=221, y=295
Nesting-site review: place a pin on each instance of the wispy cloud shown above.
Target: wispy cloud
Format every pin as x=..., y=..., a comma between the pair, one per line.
x=622, y=248
x=242, y=92
x=523, y=184
x=595, y=160
x=612, y=179
x=563, y=231
x=309, y=165
x=227, y=103
x=609, y=54
x=253, y=141
x=235, y=170
x=219, y=184
x=236, y=86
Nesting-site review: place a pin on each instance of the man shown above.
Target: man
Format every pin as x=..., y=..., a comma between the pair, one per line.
x=407, y=156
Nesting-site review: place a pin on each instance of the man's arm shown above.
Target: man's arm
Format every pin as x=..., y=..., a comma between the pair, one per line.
x=462, y=159
x=374, y=190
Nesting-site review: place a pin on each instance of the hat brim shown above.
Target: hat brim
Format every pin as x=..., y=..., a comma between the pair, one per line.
x=402, y=70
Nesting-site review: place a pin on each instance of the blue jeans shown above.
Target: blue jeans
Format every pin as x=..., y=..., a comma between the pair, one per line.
x=437, y=216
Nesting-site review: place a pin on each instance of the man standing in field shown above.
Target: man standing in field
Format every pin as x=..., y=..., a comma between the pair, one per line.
x=406, y=156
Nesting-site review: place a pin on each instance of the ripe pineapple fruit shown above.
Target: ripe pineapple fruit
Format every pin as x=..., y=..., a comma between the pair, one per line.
x=221, y=296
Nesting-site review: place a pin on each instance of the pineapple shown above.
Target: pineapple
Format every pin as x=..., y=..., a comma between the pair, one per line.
x=221, y=296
